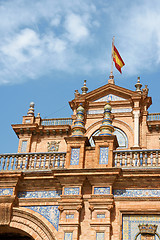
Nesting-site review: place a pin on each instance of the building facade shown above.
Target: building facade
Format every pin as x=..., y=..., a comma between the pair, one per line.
x=92, y=176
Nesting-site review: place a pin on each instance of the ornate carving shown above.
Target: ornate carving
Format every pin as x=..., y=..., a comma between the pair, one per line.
x=147, y=229
x=79, y=207
x=5, y=213
x=60, y=208
x=53, y=146
x=91, y=208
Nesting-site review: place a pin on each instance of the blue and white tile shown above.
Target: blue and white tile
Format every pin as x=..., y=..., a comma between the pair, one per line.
x=136, y=192
x=40, y=194
x=51, y=213
x=101, y=190
x=68, y=235
x=71, y=191
x=6, y=191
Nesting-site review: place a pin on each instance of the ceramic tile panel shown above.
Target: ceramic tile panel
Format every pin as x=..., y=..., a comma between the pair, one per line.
x=101, y=190
x=130, y=225
x=100, y=215
x=51, y=213
x=6, y=191
x=103, y=155
x=24, y=146
x=69, y=216
x=100, y=236
x=40, y=194
x=110, y=97
x=75, y=156
x=136, y=192
x=68, y=235
x=71, y=191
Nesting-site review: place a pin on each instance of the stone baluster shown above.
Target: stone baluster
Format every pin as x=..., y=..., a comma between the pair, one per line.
x=157, y=158
x=58, y=161
x=35, y=161
x=8, y=163
x=54, y=160
x=141, y=159
x=125, y=161
x=26, y=162
x=116, y=157
x=12, y=162
x=121, y=155
x=49, y=161
x=4, y=163
x=30, y=161
x=63, y=161
x=151, y=158
x=131, y=159
x=44, y=161
x=146, y=159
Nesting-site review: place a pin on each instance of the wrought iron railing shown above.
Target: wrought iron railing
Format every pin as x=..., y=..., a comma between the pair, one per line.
x=153, y=117
x=32, y=161
x=137, y=158
x=56, y=121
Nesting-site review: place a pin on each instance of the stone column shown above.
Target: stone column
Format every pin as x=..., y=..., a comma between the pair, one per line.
x=136, y=114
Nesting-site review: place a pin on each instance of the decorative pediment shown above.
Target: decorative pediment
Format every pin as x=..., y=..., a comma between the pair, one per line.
x=110, y=97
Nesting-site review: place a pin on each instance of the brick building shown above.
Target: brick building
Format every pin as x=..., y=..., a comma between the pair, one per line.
x=92, y=176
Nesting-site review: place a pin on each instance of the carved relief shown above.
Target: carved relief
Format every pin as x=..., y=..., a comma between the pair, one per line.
x=5, y=213
x=53, y=146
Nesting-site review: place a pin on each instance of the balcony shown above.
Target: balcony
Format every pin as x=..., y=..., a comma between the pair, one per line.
x=32, y=161
x=153, y=117
x=56, y=160
x=56, y=121
x=137, y=158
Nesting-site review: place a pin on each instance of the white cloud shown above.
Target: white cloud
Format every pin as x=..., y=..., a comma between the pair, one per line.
x=76, y=28
x=37, y=38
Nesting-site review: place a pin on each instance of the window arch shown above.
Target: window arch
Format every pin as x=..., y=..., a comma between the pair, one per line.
x=121, y=138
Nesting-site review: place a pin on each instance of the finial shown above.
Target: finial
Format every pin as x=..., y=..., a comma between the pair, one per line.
x=84, y=88
x=106, y=128
x=111, y=78
x=77, y=94
x=38, y=114
x=78, y=128
x=138, y=85
x=31, y=109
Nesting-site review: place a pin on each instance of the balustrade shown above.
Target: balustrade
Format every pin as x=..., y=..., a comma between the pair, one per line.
x=137, y=158
x=55, y=160
x=56, y=121
x=32, y=161
x=153, y=117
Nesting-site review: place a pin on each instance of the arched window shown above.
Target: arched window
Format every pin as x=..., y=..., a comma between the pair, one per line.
x=121, y=137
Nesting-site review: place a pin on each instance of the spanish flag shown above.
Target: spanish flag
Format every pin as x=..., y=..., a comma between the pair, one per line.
x=117, y=59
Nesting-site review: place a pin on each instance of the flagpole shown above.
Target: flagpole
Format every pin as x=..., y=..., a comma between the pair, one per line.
x=111, y=77
x=112, y=56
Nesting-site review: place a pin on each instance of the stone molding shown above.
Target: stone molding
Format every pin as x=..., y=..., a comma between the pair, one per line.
x=30, y=222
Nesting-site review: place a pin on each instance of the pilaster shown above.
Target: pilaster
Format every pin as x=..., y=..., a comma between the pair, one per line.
x=75, y=156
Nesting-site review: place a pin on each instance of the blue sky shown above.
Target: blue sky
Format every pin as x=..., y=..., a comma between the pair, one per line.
x=47, y=49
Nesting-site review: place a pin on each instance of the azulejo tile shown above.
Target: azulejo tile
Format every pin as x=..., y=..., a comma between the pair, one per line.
x=68, y=235
x=100, y=215
x=75, y=156
x=136, y=192
x=71, y=191
x=101, y=190
x=103, y=155
x=131, y=222
x=40, y=194
x=69, y=216
x=6, y=191
x=100, y=236
x=51, y=213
